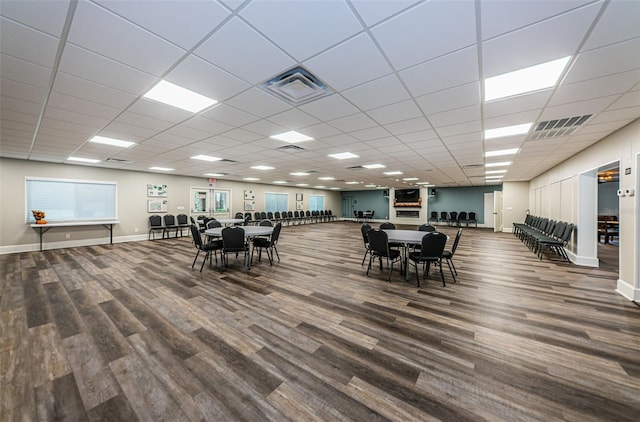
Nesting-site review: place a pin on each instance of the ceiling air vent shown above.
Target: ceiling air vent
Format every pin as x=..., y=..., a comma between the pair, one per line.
x=559, y=127
x=225, y=160
x=355, y=168
x=290, y=148
x=472, y=166
x=297, y=86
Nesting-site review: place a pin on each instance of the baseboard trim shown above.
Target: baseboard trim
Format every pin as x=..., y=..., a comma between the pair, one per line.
x=627, y=290
x=34, y=247
x=585, y=261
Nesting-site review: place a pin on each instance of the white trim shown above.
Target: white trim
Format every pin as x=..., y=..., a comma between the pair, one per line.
x=627, y=290
x=35, y=247
x=586, y=261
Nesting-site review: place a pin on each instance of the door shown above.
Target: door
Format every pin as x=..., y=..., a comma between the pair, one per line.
x=497, y=211
x=488, y=210
x=347, y=206
x=200, y=202
x=221, y=203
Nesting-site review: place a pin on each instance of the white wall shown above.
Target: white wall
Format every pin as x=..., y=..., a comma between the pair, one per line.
x=565, y=185
x=515, y=203
x=17, y=236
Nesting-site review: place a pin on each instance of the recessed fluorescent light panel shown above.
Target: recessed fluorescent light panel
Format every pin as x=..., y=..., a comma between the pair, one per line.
x=206, y=158
x=299, y=173
x=326, y=178
x=351, y=183
x=302, y=184
x=500, y=164
x=176, y=96
x=292, y=137
x=83, y=160
x=250, y=179
x=370, y=186
x=343, y=155
x=111, y=141
x=262, y=168
x=392, y=173
x=279, y=182
x=495, y=171
x=320, y=187
x=161, y=168
x=215, y=174
x=409, y=179
x=501, y=152
x=529, y=79
x=501, y=132
x=374, y=166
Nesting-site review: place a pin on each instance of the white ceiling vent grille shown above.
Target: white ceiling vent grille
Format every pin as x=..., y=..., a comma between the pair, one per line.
x=297, y=86
x=290, y=148
x=117, y=160
x=559, y=127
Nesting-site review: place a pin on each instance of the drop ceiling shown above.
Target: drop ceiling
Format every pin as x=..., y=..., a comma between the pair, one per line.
x=405, y=78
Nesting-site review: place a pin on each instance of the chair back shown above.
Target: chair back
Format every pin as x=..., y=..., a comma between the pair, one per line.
x=266, y=222
x=155, y=221
x=183, y=220
x=443, y=215
x=247, y=217
x=195, y=232
x=270, y=215
x=193, y=221
x=263, y=215
x=455, y=242
x=426, y=228
x=276, y=233
x=378, y=242
x=213, y=223
x=239, y=215
x=290, y=215
x=434, y=215
x=388, y=226
x=233, y=239
x=433, y=244
x=453, y=215
x=462, y=216
x=567, y=233
x=364, y=229
x=169, y=220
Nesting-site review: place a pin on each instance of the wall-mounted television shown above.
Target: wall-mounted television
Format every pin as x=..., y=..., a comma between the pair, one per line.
x=407, y=195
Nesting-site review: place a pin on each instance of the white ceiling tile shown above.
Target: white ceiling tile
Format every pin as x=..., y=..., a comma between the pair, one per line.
x=461, y=128
x=265, y=128
x=353, y=123
x=444, y=72
x=300, y=28
x=420, y=136
x=329, y=108
x=378, y=93
x=460, y=115
x=577, y=108
x=293, y=119
x=499, y=17
x=621, y=15
x=99, y=69
x=126, y=42
x=373, y=12
x=18, y=105
x=81, y=88
x=27, y=44
x=158, y=110
x=242, y=135
x=632, y=99
x=200, y=17
x=22, y=71
x=620, y=115
x=66, y=115
x=258, y=102
x=395, y=112
x=449, y=99
x=511, y=119
x=594, y=88
x=517, y=104
x=319, y=131
x=241, y=50
x=451, y=23
x=119, y=130
x=188, y=133
x=376, y=132
x=545, y=41
x=229, y=115
x=147, y=122
x=408, y=126
x=12, y=89
x=211, y=127
x=79, y=105
x=360, y=62
x=197, y=75
x=45, y=16
x=604, y=61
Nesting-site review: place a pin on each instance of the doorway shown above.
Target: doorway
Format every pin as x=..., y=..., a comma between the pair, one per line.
x=608, y=210
x=209, y=202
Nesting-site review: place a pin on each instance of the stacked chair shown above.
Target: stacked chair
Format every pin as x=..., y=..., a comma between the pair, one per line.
x=540, y=234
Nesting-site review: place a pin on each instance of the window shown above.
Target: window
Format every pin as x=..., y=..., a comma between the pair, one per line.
x=316, y=202
x=70, y=200
x=276, y=202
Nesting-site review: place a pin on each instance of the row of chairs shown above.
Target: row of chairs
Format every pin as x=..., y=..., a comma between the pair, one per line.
x=288, y=217
x=541, y=233
x=233, y=241
x=453, y=218
x=167, y=223
x=431, y=250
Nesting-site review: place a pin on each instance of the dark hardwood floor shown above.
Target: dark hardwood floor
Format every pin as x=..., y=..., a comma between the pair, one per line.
x=130, y=332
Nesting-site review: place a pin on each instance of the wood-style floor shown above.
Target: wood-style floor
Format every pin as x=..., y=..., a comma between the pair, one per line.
x=130, y=332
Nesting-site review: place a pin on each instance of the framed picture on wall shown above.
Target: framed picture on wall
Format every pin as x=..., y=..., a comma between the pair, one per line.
x=249, y=205
x=299, y=205
x=157, y=205
x=157, y=191
x=298, y=197
x=249, y=194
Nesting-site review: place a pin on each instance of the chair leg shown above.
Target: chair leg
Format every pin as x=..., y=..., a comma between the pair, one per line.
x=371, y=258
x=277, y=254
x=195, y=259
x=441, y=273
x=449, y=263
x=415, y=264
x=208, y=255
x=364, y=257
